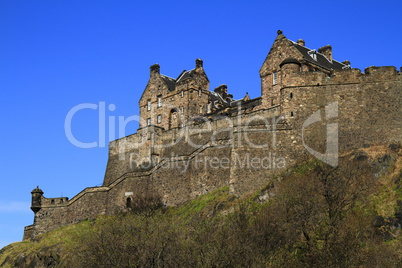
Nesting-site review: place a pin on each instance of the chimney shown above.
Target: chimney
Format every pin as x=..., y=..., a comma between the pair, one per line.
x=198, y=63
x=301, y=42
x=327, y=51
x=155, y=69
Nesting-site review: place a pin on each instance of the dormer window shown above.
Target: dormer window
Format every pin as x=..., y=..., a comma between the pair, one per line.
x=149, y=105
x=159, y=101
x=313, y=54
x=274, y=78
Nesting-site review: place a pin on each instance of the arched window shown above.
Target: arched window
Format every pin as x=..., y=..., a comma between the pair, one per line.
x=173, y=118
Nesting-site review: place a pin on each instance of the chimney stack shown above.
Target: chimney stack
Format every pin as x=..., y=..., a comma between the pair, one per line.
x=301, y=42
x=155, y=69
x=327, y=51
x=198, y=63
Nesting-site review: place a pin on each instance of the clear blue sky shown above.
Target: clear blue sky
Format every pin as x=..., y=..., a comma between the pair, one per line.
x=58, y=54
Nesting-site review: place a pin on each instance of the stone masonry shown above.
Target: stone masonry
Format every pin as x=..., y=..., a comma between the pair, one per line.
x=192, y=141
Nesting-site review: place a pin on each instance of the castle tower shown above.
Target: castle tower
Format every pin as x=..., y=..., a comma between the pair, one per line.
x=287, y=57
x=169, y=103
x=36, y=203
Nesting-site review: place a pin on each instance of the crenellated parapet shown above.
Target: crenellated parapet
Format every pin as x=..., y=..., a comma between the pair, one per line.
x=343, y=76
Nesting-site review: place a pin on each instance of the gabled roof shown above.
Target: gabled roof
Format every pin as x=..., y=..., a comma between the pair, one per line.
x=185, y=75
x=321, y=60
x=169, y=81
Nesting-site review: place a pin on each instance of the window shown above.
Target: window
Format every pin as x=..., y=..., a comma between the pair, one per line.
x=274, y=78
x=182, y=110
x=149, y=105
x=313, y=54
x=199, y=92
x=159, y=118
x=291, y=95
x=148, y=121
x=159, y=101
x=182, y=93
x=201, y=109
x=291, y=114
x=129, y=202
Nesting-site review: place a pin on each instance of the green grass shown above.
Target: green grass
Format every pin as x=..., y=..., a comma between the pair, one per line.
x=218, y=205
x=58, y=241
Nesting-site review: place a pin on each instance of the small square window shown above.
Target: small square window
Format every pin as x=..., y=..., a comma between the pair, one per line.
x=159, y=118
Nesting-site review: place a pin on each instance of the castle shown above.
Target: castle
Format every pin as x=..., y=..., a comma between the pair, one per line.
x=192, y=141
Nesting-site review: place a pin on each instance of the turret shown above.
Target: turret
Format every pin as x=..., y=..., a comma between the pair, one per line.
x=36, y=204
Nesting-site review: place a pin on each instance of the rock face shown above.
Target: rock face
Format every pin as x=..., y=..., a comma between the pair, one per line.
x=192, y=141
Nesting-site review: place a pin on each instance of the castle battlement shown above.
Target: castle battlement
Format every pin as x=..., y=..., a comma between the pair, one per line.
x=192, y=141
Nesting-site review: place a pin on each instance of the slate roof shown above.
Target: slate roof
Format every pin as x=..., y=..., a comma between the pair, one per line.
x=170, y=82
x=185, y=75
x=321, y=60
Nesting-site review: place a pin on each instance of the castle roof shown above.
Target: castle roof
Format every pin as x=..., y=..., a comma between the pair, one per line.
x=185, y=75
x=316, y=58
x=169, y=81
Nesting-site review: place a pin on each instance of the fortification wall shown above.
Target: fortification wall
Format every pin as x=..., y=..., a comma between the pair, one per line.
x=368, y=106
x=244, y=151
x=86, y=205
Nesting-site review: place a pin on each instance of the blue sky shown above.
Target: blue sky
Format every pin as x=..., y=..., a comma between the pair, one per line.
x=55, y=55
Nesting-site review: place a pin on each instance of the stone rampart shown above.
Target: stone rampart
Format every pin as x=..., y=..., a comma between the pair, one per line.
x=242, y=151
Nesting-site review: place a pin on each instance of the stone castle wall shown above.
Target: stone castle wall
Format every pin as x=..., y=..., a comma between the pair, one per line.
x=242, y=151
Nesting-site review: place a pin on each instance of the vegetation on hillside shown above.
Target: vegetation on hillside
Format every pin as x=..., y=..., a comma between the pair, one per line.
x=314, y=216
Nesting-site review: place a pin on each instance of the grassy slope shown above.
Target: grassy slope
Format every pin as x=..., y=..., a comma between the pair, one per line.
x=53, y=247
